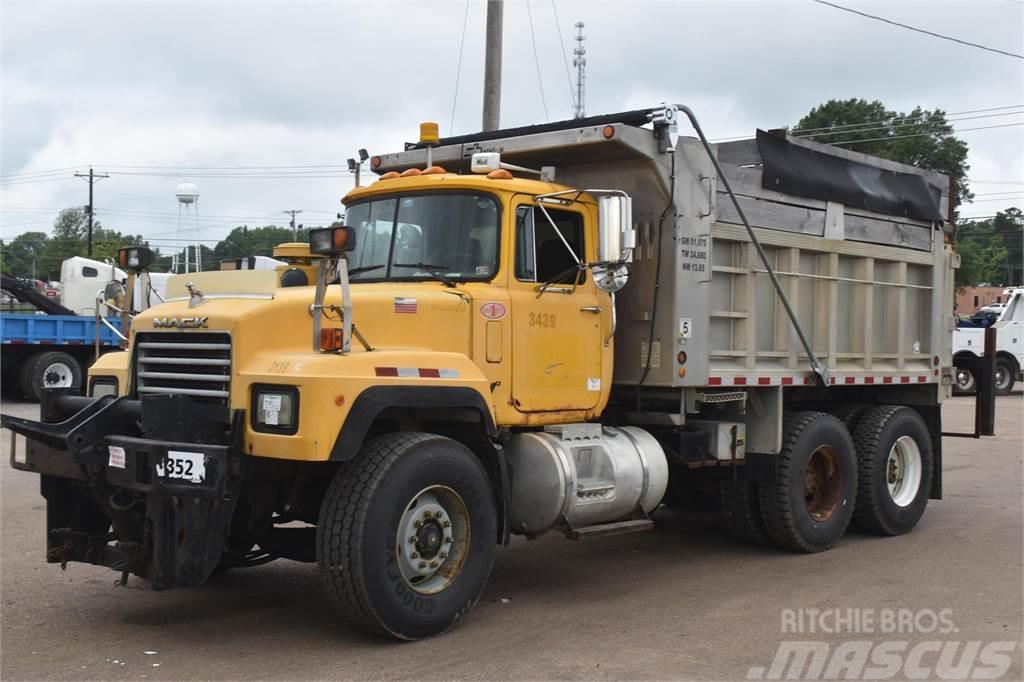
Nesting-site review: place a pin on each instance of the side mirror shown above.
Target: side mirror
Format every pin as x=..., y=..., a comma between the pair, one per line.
x=616, y=236
x=332, y=241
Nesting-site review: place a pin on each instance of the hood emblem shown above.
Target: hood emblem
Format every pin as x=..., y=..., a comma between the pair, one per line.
x=180, y=322
x=195, y=295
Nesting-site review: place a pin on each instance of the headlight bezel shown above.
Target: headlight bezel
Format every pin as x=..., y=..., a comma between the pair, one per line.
x=104, y=380
x=291, y=393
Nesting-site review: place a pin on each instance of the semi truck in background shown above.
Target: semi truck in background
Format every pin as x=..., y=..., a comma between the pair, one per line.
x=543, y=329
x=968, y=345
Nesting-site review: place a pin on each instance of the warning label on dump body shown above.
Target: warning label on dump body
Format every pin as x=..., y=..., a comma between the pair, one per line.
x=695, y=254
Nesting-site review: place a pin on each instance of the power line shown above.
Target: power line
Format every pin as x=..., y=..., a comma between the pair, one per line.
x=918, y=30
x=458, y=69
x=565, y=56
x=907, y=118
x=900, y=137
x=536, y=61
x=866, y=126
x=933, y=119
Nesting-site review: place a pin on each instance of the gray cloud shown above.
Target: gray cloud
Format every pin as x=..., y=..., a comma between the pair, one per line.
x=266, y=83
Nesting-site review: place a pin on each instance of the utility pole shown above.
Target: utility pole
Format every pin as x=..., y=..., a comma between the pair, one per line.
x=492, y=65
x=580, y=62
x=92, y=179
x=295, y=230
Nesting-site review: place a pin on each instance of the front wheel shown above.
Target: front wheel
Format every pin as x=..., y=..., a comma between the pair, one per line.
x=407, y=535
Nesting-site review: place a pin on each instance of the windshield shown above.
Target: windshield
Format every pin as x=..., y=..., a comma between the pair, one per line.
x=425, y=236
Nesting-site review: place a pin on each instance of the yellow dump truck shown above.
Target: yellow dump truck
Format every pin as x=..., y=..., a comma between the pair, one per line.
x=552, y=328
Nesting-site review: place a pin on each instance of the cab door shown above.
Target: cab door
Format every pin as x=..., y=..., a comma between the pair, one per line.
x=558, y=334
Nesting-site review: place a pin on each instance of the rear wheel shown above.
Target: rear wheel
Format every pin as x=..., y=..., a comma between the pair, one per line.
x=1004, y=378
x=407, y=535
x=741, y=506
x=49, y=370
x=808, y=503
x=895, y=462
x=850, y=414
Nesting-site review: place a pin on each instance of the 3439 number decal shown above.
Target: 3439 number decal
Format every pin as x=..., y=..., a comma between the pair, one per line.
x=545, y=320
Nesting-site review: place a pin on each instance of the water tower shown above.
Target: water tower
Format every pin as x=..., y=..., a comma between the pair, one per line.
x=188, y=230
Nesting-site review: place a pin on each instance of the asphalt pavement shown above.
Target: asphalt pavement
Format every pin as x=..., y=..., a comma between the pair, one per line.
x=685, y=601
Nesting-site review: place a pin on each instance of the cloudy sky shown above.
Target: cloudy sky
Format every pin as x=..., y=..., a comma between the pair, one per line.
x=260, y=103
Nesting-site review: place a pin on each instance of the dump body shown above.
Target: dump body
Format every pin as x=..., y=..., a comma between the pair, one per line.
x=872, y=291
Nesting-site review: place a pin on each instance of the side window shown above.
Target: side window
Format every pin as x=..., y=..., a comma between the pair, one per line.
x=526, y=255
x=88, y=271
x=540, y=254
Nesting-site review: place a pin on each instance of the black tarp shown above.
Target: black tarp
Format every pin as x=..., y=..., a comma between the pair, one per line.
x=804, y=172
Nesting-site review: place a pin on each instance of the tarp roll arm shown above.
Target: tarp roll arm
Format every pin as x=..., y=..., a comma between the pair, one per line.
x=819, y=369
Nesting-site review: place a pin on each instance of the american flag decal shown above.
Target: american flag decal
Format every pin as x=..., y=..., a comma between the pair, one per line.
x=405, y=305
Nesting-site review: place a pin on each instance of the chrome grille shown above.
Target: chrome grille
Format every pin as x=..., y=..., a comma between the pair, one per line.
x=196, y=364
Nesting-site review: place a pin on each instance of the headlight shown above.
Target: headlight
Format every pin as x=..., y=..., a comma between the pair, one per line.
x=275, y=409
x=101, y=386
x=332, y=240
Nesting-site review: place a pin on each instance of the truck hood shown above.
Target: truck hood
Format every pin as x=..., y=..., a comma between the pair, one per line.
x=389, y=315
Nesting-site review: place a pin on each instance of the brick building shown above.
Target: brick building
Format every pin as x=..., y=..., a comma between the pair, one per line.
x=969, y=299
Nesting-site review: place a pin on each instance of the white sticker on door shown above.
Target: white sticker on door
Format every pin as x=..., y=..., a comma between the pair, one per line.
x=593, y=383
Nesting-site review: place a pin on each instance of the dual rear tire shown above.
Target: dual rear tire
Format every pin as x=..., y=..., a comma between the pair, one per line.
x=871, y=465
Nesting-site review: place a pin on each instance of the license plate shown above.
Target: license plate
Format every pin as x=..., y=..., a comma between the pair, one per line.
x=188, y=466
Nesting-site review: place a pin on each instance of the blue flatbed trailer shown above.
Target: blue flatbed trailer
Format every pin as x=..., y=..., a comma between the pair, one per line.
x=39, y=350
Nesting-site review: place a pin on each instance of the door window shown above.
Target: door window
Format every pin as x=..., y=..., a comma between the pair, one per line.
x=541, y=255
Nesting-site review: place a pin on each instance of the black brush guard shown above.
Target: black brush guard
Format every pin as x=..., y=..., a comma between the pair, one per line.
x=132, y=518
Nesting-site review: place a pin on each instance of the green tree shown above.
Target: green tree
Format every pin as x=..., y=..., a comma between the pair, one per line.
x=256, y=241
x=920, y=138
x=992, y=251
x=71, y=238
x=24, y=255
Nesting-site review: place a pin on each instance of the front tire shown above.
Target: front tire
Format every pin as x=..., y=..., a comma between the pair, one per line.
x=808, y=503
x=895, y=461
x=407, y=535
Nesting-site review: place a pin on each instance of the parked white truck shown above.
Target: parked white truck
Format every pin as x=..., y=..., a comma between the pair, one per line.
x=969, y=343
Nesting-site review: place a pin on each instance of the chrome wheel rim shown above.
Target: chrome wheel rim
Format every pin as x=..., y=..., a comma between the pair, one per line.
x=433, y=539
x=1002, y=377
x=903, y=471
x=57, y=375
x=964, y=379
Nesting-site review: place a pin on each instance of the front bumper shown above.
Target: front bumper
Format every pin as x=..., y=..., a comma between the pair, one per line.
x=113, y=496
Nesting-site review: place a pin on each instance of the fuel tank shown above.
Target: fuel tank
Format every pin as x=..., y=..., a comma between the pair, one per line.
x=572, y=476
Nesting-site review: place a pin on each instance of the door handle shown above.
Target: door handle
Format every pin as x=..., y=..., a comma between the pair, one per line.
x=591, y=309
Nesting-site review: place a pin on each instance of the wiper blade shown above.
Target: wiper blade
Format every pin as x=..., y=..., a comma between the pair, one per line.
x=435, y=270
